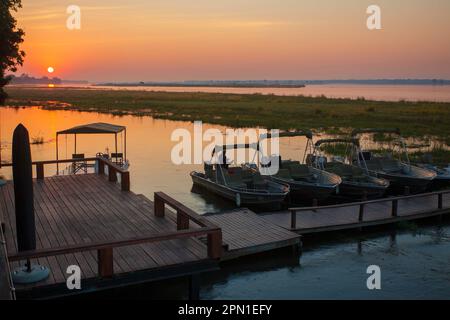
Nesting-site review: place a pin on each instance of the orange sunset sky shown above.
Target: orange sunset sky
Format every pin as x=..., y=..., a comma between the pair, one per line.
x=172, y=40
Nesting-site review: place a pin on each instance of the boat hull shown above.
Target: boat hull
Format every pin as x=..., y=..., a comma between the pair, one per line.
x=358, y=191
x=239, y=196
x=302, y=192
x=399, y=183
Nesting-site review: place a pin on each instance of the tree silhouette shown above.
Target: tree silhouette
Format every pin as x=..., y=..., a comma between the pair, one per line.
x=10, y=38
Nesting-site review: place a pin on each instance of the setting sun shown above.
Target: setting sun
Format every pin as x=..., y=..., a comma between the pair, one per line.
x=50, y=69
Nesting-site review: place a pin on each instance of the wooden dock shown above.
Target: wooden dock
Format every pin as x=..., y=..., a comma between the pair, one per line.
x=313, y=220
x=245, y=232
x=119, y=238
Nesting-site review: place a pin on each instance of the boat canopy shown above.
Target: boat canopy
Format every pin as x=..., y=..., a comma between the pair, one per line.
x=299, y=133
x=94, y=128
x=226, y=147
x=375, y=130
x=338, y=140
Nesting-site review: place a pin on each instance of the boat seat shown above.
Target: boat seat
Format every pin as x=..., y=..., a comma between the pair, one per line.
x=374, y=165
x=258, y=181
x=234, y=179
x=339, y=169
x=287, y=163
x=284, y=174
x=300, y=171
x=391, y=165
x=358, y=171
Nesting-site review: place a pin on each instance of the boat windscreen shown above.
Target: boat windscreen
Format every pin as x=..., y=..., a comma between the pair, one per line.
x=222, y=148
x=347, y=141
x=300, y=133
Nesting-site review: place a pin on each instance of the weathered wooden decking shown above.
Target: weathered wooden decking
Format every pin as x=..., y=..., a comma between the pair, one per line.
x=82, y=218
x=244, y=233
x=84, y=209
x=363, y=214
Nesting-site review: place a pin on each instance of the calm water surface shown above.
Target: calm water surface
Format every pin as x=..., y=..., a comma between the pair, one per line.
x=414, y=264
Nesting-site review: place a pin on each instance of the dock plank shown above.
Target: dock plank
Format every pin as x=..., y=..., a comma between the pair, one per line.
x=245, y=233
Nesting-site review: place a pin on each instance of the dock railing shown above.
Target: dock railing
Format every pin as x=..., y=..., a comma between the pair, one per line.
x=105, y=249
x=184, y=216
x=113, y=169
x=362, y=204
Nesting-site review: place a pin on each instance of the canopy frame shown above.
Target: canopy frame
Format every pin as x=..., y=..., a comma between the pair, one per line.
x=94, y=128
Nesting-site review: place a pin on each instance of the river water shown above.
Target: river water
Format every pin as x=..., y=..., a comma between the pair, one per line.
x=415, y=263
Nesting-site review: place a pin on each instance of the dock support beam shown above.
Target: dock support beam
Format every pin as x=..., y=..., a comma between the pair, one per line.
x=40, y=171
x=293, y=220
x=394, y=208
x=182, y=221
x=215, y=244
x=112, y=174
x=361, y=213
x=194, y=287
x=105, y=263
x=159, y=207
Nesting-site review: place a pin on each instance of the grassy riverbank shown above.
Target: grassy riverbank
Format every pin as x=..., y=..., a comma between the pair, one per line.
x=244, y=110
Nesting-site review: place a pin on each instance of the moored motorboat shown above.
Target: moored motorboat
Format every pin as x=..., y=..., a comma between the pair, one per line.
x=235, y=183
x=356, y=182
x=306, y=183
x=403, y=176
x=442, y=179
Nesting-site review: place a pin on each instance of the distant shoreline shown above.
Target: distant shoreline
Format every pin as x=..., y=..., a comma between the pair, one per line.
x=415, y=119
x=275, y=83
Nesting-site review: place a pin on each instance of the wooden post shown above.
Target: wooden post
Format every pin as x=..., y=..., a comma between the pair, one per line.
x=158, y=206
x=105, y=263
x=182, y=221
x=440, y=206
x=293, y=220
x=215, y=244
x=194, y=287
x=112, y=174
x=23, y=190
x=101, y=167
x=394, y=207
x=125, y=181
x=361, y=212
x=40, y=171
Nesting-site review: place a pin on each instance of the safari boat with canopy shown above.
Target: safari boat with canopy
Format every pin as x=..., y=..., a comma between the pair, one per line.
x=306, y=182
x=237, y=183
x=400, y=172
x=356, y=182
